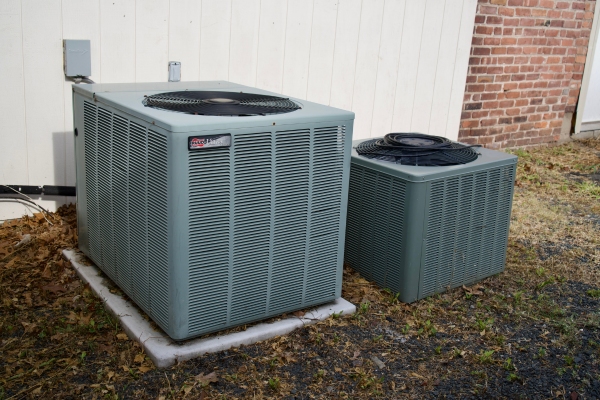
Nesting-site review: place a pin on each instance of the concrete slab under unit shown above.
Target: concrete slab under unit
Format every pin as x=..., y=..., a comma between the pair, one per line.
x=164, y=351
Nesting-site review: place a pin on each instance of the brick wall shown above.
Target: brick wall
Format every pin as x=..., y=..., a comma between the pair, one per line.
x=525, y=70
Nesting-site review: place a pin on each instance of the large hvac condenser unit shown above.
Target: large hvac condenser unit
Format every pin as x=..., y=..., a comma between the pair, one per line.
x=426, y=214
x=212, y=204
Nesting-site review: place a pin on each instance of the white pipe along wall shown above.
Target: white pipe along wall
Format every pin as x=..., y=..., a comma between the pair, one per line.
x=400, y=65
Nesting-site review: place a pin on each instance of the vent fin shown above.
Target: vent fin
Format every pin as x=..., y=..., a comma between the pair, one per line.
x=130, y=250
x=158, y=263
x=90, y=117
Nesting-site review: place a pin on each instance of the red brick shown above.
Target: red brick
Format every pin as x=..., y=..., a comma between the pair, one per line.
x=527, y=22
x=562, y=5
x=491, y=41
x=488, y=10
x=547, y=3
x=536, y=12
x=490, y=104
x=481, y=51
x=535, y=117
x=531, y=31
x=523, y=12
x=498, y=2
x=555, y=123
x=505, y=60
x=521, y=102
x=526, y=85
x=506, y=11
x=470, y=124
x=489, y=96
x=499, y=50
x=553, y=14
x=489, y=122
x=515, y=2
x=493, y=20
x=480, y=114
x=484, y=30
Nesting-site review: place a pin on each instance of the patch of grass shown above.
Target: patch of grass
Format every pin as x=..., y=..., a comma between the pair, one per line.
x=484, y=324
x=595, y=293
x=274, y=384
x=485, y=357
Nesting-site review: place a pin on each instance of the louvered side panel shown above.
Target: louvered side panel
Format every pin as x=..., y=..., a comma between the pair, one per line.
x=354, y=217
x=476, y=227
x=138, y=214
x=489, y=222
x=327, y=173
x=467, y=229
x=379, y=238
x=505, y=195
x=375, y=226
x=158, y=234
x=435, y=220
x=462, y=237
x=292, y=162
x=365, y=265
x=90, y=113
x=209, y=235
x=105, y=191
x=394, y=232
x=252, y=225
x=119, y=171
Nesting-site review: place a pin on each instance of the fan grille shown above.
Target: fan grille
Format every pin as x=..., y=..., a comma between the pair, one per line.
x=220, y=103
x=417, y=149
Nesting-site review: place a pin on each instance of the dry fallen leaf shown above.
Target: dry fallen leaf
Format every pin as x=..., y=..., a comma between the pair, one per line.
x=122, y=336
x=143, y=369
x=206, y=379
x=54, y=288
x=139, y=358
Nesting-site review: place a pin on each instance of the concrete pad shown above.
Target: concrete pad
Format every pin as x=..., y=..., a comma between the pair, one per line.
x=163, y=350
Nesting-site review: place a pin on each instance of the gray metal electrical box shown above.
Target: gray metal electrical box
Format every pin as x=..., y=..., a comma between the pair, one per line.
x=211, y=220
x=77, y=57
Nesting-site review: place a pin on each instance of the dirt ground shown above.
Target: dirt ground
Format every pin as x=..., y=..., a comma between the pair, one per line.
x=530, y=332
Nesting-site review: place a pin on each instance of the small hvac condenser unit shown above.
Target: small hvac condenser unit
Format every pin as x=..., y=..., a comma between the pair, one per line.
x=212, y=204
x=426, y=214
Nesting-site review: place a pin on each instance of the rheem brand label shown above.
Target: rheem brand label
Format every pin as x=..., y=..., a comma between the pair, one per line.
x=209, y=142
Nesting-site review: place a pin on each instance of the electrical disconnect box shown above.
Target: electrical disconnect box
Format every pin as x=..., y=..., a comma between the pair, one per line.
x=77, y=58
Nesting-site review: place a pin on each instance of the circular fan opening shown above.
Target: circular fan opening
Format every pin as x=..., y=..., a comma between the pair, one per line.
x=417, y=149
x=220, y=103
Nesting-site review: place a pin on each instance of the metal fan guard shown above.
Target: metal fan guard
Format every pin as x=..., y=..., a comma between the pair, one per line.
x=220, y=103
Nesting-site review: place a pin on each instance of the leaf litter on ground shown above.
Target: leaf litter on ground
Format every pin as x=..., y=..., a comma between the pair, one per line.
x=57, y=340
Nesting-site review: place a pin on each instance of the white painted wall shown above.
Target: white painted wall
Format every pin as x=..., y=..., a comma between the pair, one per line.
x=398, y=64
x=591, y=112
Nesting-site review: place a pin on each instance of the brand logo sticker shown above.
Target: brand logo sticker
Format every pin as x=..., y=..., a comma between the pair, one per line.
x=209, y=142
